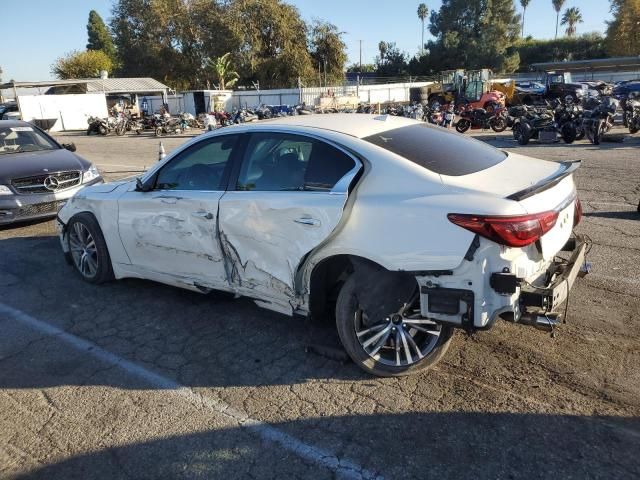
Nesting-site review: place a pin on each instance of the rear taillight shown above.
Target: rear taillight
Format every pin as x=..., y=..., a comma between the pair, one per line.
x=512, y=231
x=577, y=213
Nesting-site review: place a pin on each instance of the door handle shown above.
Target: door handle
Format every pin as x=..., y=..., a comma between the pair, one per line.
x=308, y=221
x=202, y=214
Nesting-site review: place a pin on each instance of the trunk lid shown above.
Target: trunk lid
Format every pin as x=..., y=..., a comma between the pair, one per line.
x=537, y=185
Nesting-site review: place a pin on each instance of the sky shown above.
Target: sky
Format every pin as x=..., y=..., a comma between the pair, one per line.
x=36, y=32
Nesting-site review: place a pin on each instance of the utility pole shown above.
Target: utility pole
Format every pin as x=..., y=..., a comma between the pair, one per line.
x=325, y=70
x=360, y=57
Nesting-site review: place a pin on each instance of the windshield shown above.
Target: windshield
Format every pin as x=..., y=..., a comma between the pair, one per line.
x=438, y=150
x=23, y=139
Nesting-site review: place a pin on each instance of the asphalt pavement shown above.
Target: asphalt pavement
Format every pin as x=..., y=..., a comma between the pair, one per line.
x=137, y=380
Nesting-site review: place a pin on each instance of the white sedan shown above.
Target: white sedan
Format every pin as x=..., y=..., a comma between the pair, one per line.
x=402, y=230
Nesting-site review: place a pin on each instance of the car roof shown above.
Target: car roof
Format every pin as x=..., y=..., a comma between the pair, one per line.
x=14, y=123
x=357, y=125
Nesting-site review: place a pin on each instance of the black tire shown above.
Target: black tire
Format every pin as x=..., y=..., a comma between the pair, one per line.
x=159, y=132
x=463, y=125
x=346, y=314
x=633, y=129
x=102, y=130
x=580, y=133
x=568, y=132
x=121, y=130
x=498, y=124
x=104, y=270
x=522, y=134
x=597, y=132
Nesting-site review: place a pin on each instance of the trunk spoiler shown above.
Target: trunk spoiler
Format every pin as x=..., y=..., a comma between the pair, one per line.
x=567, y=169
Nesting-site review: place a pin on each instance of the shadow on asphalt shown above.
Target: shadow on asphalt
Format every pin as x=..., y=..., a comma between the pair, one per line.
x=619, y=215
x=194, y=339
x=414, y=445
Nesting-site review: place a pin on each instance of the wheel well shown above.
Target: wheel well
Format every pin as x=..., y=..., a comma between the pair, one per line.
x=327, y=279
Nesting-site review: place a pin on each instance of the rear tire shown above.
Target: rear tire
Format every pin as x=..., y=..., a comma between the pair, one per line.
x=463, y=125
x=158, y=132
x=597, y=133
x=498, y=124
x=568, y=132
x=521, y=134
x=347, y=311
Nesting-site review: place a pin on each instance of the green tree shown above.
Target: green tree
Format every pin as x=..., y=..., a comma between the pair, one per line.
x=557, y=6
x=99, y=37
x=366, y=68
x=584, y=47
x=475, y=34
x=623, y=34
x=272, y=45
x=571, y=18
x=223, y=70
x=87, y=64
x=171, y=40
x=423, y=12
x=328, y=49
x=524, y=4
x=390, y=61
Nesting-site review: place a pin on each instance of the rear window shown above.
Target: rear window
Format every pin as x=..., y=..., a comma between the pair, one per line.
x=438, y=150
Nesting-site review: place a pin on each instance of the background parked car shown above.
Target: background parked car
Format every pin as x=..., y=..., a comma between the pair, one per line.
x=37, y=174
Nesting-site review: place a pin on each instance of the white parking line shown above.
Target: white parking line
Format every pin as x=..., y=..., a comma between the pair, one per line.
x=343, y=468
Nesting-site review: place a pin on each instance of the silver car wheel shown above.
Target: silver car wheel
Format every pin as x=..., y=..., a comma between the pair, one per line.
x=402, y=338
x=83, y=250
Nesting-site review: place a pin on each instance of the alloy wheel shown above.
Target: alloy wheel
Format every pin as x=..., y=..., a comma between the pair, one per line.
x=400, y=339
x=83, y=250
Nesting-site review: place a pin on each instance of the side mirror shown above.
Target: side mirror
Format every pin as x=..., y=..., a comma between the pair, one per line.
x=142, y=186
x=69, y=146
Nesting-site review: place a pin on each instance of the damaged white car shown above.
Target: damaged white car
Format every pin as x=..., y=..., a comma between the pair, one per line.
x=401, y=230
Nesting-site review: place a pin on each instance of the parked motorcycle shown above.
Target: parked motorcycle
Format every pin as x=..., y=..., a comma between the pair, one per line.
x=599, y=120
x=97, y=125
x=167, y=125
x=480, y=118
x=568, y=120
x=534, y=122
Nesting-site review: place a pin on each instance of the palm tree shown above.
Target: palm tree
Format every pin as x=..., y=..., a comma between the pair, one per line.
x=557, y=6
x=423, y=11
x=525, y=4
x=223, y=70
x=571, y=18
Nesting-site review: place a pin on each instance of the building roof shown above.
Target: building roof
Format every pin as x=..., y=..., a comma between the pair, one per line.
x=96, y=85
x=619, y=63
x=125, y=85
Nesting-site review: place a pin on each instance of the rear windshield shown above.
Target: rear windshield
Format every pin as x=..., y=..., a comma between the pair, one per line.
x=439, y=150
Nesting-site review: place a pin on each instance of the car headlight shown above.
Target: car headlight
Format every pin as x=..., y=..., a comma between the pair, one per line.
x=4, y=190
x=90, y=174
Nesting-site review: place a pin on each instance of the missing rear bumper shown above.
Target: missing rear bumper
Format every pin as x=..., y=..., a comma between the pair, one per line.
x=563, y=273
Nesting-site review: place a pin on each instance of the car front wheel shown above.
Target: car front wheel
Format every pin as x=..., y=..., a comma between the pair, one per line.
x=88, y=249
x=399, y=343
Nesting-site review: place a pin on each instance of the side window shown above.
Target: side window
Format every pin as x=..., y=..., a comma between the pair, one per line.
x=201, y=167
x=284, y=162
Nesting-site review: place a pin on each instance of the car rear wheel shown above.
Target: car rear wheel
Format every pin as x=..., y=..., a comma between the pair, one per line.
x=400, y=343
x=88, y=249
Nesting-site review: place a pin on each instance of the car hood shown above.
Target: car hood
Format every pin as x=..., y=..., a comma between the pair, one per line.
x=25, y=164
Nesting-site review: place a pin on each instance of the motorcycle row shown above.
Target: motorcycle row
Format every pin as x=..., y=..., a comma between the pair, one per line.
x=159, y=123
x=568, y=118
